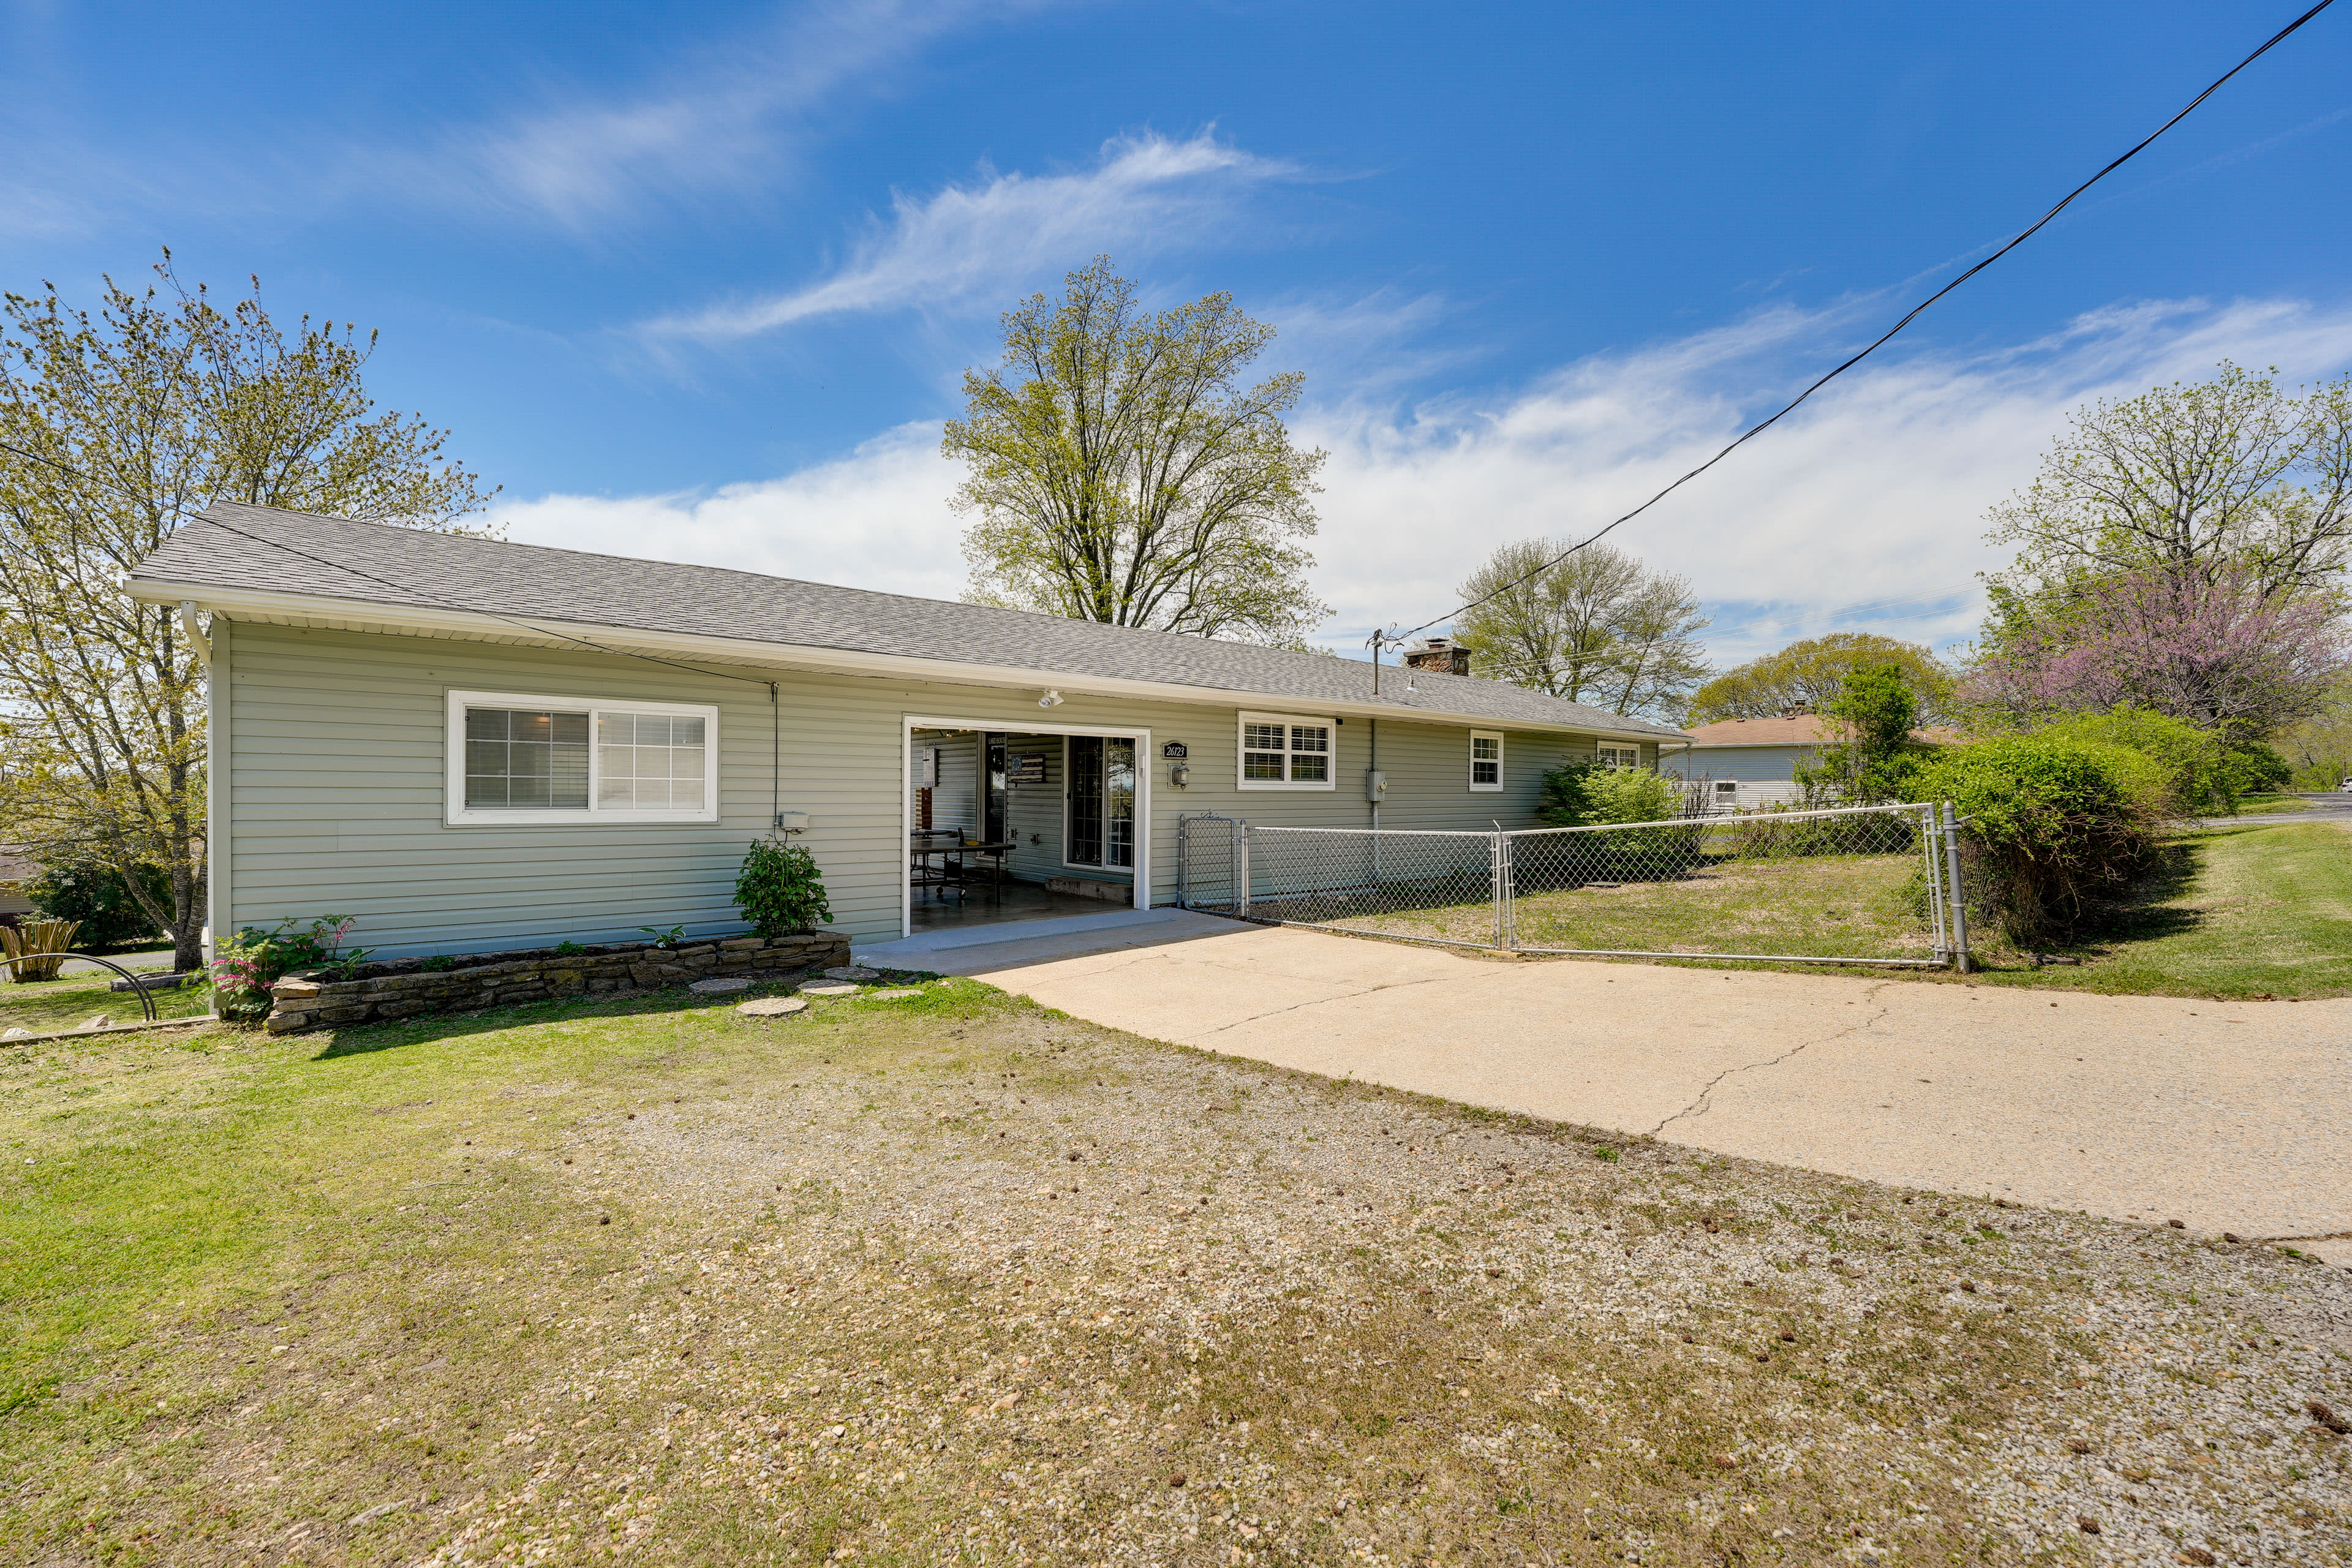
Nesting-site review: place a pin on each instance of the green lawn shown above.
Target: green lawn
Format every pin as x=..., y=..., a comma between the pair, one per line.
x=955, y=1280
x=2251, y=910
x=72, y=1000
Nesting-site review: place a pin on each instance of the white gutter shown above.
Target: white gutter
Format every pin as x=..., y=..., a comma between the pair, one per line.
x=196, y=638
x=264, y=603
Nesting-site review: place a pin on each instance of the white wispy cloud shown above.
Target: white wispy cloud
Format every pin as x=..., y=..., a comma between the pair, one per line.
x=987, y=238
x=728, y=116
x=875, y=518
x=1876, y=491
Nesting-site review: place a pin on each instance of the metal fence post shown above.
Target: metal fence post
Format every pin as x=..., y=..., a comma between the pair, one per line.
x=1931, y=848
x=1241, y=868
x=1959, y=903
x=1499, y=871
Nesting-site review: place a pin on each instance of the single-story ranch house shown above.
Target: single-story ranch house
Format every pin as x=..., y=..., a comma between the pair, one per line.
x=1744, y=764
x=469, y=744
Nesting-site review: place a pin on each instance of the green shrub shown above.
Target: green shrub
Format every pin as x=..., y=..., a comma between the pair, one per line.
x=2055, y=825
x=1878, y=761
x=780, y=889
x=2251, y=768
x=97, y=899
x=245, y=965
x=2198, y=781
x=1583, y=795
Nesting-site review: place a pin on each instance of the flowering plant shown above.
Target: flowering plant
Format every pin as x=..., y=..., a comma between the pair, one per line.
x=245, y=966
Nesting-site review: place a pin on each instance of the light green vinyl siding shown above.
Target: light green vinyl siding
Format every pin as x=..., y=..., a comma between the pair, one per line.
x=336, y=782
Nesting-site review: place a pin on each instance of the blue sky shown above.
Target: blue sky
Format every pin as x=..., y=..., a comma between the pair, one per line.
x=700, y=281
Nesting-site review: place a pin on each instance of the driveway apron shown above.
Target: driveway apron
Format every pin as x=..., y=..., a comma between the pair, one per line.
x=2229, y=1116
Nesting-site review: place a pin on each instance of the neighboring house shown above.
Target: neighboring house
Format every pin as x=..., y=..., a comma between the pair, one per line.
x=1743, y=764
x=16, y=870
x=467, y=744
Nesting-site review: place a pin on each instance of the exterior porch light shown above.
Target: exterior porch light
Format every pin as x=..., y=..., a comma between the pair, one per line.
x=1051, y=699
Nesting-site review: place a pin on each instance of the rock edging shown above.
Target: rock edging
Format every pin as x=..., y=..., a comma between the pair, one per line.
x=405, y=988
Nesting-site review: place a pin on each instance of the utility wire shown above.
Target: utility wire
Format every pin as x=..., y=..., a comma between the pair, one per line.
x=2274, y=41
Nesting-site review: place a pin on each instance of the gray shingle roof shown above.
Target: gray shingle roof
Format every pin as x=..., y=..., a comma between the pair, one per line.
x=239, y=547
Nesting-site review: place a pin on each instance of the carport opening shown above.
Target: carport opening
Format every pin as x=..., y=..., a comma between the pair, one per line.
x=1010, y=825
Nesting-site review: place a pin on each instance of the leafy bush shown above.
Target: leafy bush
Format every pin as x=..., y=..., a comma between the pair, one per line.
x=2253, y=768
x=1779, y=833
x=245, y=966
x=97, y=899
x=1583, y=795
x=569, y=949
x=440, y=962
x=243, y=969
x=2055, y=825
x=1878, y=761
x=2198, y=777
x=780, y=889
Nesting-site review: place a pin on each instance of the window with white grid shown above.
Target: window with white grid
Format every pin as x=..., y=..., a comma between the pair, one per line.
x=1284, y=751
x=1620, y=756
x=516, y=758
x=1486, y=760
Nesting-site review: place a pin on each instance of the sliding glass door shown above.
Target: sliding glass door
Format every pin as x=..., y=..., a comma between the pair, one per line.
x=1099, y=801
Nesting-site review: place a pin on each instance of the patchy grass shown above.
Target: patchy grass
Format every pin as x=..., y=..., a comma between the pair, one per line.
x=2258, y=910
x=72, y=1000
x=959, y=1280
x=2252, y=911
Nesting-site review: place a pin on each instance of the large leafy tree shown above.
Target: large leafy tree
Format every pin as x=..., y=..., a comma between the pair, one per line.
x=1597, y=626
x=115, y=428
x=2233, y=474
x=1120, y=471
x=1810, y=677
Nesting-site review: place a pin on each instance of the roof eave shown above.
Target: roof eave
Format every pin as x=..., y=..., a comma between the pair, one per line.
x=272, y=601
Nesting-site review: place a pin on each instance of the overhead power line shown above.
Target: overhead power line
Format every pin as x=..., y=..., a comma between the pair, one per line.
x=1392, y=639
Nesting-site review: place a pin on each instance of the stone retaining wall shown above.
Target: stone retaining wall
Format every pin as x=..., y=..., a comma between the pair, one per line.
x=405, y=988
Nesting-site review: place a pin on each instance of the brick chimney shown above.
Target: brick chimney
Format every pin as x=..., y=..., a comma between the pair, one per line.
x=1443, y=655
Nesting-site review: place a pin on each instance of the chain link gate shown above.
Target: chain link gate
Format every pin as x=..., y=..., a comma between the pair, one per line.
x=1859, y=885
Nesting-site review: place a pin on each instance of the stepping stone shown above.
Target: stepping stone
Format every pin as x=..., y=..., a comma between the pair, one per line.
x=828, y=990
x=773, y=1007
x=723, y=987
x=853, y=972
x=898, y=996
x=14, y=1032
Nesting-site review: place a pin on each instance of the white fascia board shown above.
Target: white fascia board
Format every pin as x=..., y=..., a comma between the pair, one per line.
x=552, y=633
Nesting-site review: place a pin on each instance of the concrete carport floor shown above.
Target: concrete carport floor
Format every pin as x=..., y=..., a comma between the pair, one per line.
x=2230, y=1116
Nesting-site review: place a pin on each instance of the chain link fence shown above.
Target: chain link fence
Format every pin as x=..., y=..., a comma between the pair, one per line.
x=1864, y=885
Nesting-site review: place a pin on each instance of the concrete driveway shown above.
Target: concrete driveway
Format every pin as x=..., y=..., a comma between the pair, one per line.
x=2229, y=1116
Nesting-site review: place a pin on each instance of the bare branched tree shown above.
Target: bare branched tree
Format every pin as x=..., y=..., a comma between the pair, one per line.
x=1597, y=627
x=2202, y=478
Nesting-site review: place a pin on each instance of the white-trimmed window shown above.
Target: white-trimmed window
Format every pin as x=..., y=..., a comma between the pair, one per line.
x=1615, y=756
x=1486, y=760
x=516, y=758
x=1284, y=751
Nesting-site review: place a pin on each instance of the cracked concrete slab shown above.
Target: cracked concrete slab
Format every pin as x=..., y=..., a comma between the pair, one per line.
x=2227, y=1115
